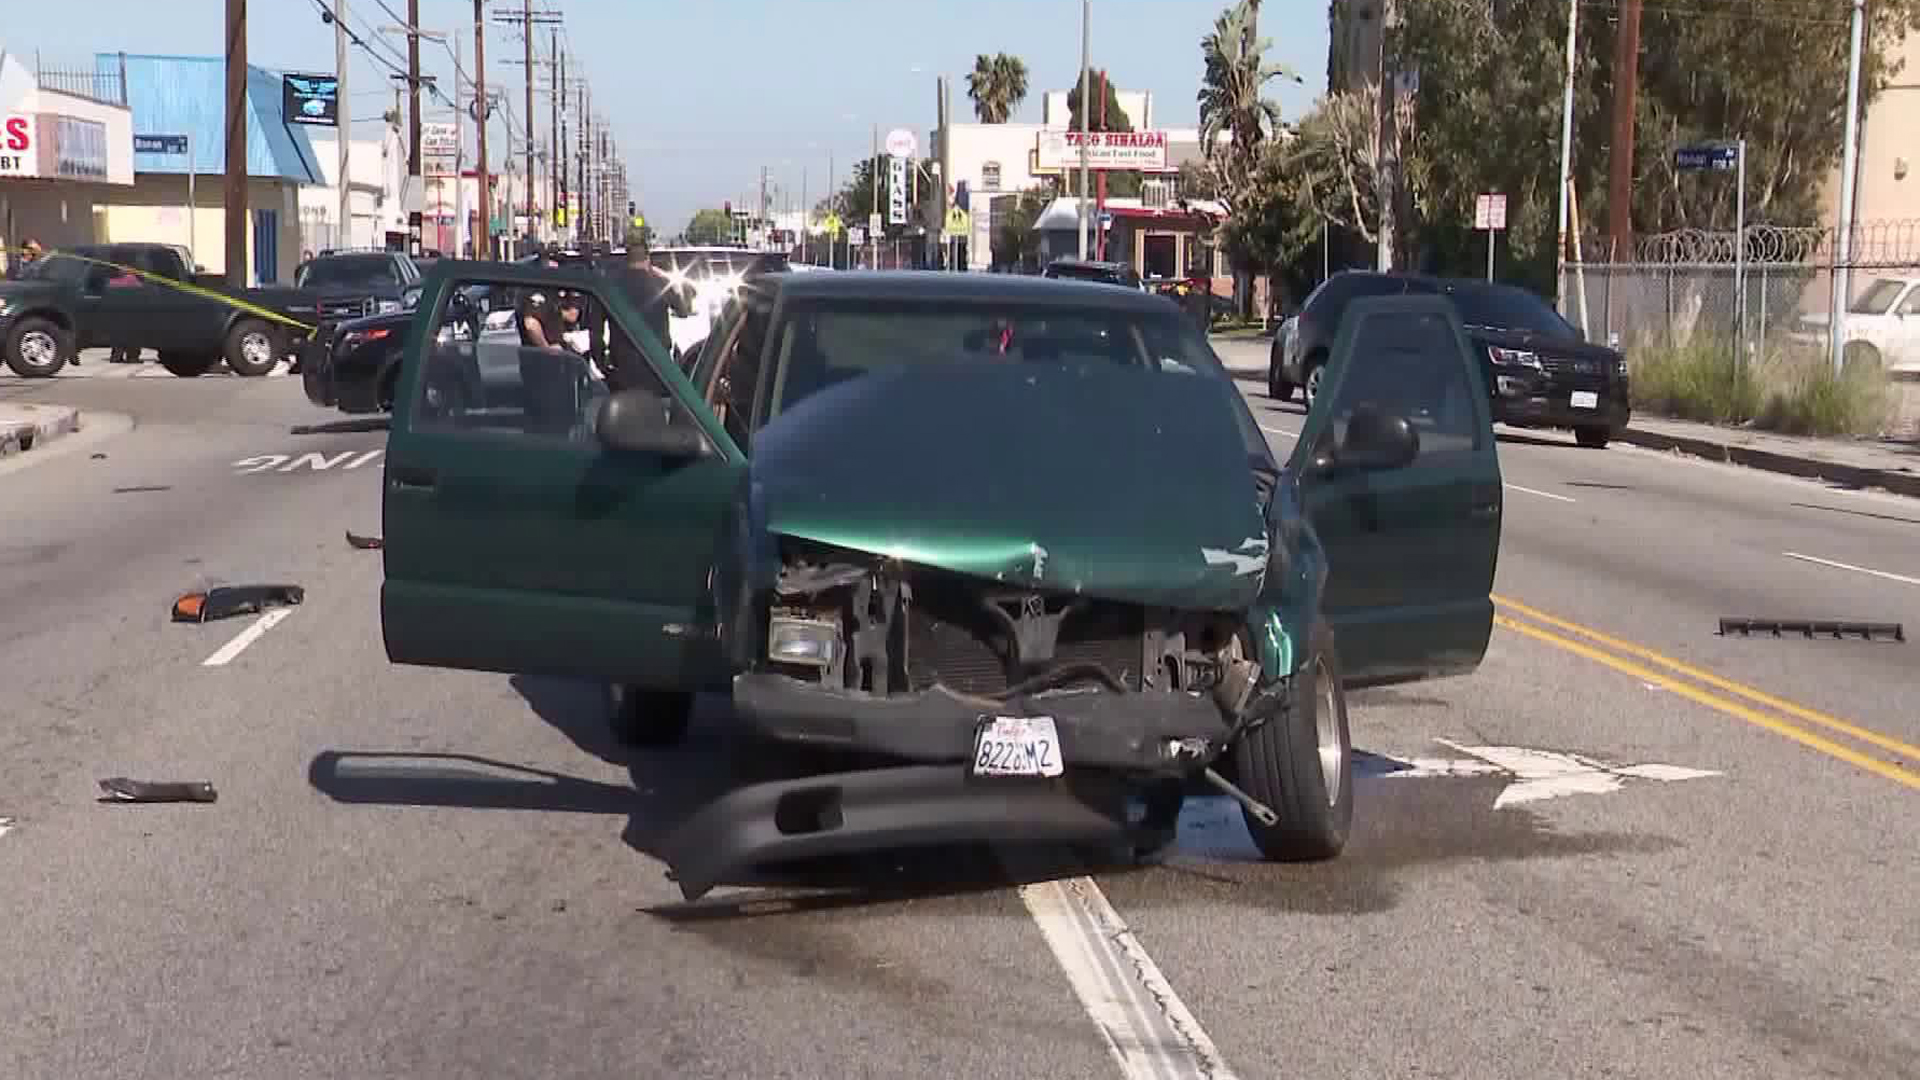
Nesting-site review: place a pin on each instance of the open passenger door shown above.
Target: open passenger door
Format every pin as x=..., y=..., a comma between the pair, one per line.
x=523, y=537
x=1411, y=549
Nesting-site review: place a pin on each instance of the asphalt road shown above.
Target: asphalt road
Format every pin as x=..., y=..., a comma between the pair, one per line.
x=421, y=873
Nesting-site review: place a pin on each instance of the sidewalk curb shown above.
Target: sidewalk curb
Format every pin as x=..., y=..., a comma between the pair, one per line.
x=1899, y=483
x=28, y=427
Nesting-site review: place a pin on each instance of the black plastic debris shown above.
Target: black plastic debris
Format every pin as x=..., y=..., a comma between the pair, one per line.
x=1812, y=628
x=226, y=601
x=364, y=543
x=121, y=789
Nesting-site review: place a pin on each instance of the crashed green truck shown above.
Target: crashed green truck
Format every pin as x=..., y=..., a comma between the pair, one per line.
x=1019, y=547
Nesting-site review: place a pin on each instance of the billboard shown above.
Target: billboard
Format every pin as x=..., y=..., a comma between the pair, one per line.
x=897, y=190
x=72, y=148
x=310, y=99
x=1059, y=151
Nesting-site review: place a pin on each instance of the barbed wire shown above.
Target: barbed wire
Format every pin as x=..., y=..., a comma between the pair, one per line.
x=1893, y=242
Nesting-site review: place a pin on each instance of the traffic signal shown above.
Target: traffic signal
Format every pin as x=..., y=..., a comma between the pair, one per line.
x=630, y=210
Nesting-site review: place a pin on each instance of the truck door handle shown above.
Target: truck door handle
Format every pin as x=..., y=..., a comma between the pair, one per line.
x=412, y=478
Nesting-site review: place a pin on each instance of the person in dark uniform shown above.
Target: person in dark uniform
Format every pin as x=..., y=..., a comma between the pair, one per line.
x=657, y=300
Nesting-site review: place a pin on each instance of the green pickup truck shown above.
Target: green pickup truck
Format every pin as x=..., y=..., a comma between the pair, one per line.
x=85, y=298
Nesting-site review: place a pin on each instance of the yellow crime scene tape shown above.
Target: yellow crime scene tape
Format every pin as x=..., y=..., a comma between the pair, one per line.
x=173, y=283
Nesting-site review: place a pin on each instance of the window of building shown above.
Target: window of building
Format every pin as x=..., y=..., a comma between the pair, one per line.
x=990, y=176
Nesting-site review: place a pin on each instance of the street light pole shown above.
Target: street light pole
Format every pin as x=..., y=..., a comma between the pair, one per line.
x=1849, y=177
x=1086, y=54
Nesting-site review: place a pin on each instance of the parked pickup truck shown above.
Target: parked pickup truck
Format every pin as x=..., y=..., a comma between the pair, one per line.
x=80, y=298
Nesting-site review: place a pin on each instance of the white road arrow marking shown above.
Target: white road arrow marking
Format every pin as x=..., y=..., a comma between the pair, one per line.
x=1547, y=774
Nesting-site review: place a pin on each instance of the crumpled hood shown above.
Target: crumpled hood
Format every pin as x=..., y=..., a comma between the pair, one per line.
x=1125, y=484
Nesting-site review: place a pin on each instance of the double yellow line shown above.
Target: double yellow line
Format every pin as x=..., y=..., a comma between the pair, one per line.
x=1756, y=707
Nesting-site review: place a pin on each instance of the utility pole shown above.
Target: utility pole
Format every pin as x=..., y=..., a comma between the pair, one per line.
x=1086, y=88
x=413, y=92
x=526, y=19
x=580, y=151
x=873, y=241
x=1849, y=178
x=1626, y=77
x=483, y=236
x=1566, y=146
x=343, y=124
x=556, y=167
x=235, y=195
x=1387, y=182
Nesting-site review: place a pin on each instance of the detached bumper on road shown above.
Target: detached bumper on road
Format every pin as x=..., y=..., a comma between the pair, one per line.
x=1129, y=732
x=881, y=809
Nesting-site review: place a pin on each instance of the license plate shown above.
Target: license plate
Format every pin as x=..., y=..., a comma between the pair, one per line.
x=1585, y=399
x=1016, y=746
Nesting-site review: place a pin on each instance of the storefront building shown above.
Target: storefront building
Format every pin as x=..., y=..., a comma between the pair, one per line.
x=66, y=149
x=178, y=106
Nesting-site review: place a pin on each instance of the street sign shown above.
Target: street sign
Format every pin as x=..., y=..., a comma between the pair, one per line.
x=901, y=143
x=175, y=145
x=959, y=222
x=897, y=190
x=439, y=150
x=1106, y=220
x=874, y=224
x=1714, y=157
x=1490, y=212
x=639, y=221
x=856, y=236
x=832, y=224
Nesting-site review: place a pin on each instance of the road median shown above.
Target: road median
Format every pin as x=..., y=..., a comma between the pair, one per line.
x=24, y=428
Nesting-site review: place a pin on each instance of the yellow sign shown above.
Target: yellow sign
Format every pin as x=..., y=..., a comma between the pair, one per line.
x=832, y=224
x=560, y=216
x=639, y=221
x=959, y=222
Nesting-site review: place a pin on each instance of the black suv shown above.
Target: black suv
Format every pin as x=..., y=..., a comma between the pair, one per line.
x=1539, y=371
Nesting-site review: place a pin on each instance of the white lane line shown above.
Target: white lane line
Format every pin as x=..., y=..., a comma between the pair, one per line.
x=246, y=637
x=1145, y=1024
x=1279, y=431
x=1901, y=578
x=1535, y=491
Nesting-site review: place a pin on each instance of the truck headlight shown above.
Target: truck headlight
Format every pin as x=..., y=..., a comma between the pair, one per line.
x=802, y=641
x=1520, y=358
x=384, y=306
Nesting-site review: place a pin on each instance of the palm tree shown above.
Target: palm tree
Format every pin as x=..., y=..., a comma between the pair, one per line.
x=997, y=85
x=1231, y=94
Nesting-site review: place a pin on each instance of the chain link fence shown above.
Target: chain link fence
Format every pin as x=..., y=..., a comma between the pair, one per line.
x=1681, y=293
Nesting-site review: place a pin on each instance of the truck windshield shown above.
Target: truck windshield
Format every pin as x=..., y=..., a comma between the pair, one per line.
x=349, y=272
x=823, y=343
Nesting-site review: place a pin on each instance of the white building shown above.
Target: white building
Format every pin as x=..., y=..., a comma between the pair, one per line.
x=377, y=167
x=66, y=149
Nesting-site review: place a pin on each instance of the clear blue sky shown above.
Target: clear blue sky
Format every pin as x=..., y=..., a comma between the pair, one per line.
x=702, y=93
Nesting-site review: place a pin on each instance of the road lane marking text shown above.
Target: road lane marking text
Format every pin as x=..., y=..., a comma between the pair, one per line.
x=345, y=461
x=1901, y=578
x=1897, y=772
x=1542, y=494
x=244, y=638
x=1143, y=1022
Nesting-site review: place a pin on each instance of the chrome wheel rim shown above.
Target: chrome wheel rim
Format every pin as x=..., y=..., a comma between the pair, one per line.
x=1326, y=724
x=38, y=348
x=256, y=349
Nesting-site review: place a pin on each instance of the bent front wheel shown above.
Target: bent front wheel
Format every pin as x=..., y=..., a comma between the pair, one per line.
x=1300, y=762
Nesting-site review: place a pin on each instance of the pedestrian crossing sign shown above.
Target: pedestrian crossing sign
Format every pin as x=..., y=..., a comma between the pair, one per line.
x=959, y=222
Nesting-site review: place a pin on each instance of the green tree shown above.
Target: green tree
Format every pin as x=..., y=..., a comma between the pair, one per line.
x=1488, y=112
x=1014, y=242
x=1120, y=184
x=710, y=227
x=997, y=85
x=1232, y=98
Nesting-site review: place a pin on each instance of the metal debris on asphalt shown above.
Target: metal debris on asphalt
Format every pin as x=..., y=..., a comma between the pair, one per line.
x=121, y=789
x=365, y=543
x=225, y=601
x=1810, y=628
x=6, y=825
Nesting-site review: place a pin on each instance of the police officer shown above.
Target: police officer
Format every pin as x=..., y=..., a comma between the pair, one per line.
x=653, y=294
